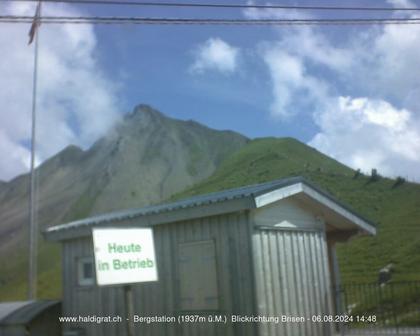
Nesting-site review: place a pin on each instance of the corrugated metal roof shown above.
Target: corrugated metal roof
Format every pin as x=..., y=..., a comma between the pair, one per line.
x=21, y=312
x=216, y=197
x=7, y=308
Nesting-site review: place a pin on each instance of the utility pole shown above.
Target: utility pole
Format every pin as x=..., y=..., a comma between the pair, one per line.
x=33, y=224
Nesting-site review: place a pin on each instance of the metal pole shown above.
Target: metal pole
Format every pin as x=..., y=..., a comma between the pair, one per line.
x=33, y=231
x=128, y=300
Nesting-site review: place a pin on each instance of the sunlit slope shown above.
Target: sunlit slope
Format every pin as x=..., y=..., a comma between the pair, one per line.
x=394, y=207
x=116, y=166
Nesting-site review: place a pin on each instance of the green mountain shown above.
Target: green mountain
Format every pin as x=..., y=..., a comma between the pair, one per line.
x=148, y=158
x=393, y=204
x=144, y=159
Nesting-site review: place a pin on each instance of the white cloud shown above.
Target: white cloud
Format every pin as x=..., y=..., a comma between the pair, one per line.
x=379, y=63
x=392, y=61
x=366, y=134
x=401, y=3
x=290, y=81
x=15, y=157
x=76, y=101
x=215, y=54
x=290, y=60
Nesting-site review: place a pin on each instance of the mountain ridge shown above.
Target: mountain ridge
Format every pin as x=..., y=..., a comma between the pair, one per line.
x=148, y=158
x=143, y=159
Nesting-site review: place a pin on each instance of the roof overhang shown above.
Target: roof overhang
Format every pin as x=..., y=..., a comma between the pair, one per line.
x=337, y=214
x=84, y=228
x=22, y=312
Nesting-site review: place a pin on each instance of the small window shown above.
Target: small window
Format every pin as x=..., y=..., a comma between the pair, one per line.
x=85, y=271
x=198, y=276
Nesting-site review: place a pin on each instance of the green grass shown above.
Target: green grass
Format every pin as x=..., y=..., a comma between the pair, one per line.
x=14, y=277
x=83, y=206
x=392, y=304
x=396, y=210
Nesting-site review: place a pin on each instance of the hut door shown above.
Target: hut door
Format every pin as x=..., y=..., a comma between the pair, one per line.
x=292, y=280
x=198, y=287
x=198, y=276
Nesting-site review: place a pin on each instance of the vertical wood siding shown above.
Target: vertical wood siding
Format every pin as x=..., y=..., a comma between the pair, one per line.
x=231, y=234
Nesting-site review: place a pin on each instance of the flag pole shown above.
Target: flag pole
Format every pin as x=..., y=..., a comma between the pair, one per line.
x=33, y=225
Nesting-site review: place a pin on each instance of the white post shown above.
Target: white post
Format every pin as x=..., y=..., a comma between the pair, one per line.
x=33, y=225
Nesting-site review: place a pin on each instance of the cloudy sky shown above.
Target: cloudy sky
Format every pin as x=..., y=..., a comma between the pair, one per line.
x=352, y=92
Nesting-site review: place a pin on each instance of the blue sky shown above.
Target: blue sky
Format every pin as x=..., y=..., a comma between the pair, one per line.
x=351, y=92
x=155, y=69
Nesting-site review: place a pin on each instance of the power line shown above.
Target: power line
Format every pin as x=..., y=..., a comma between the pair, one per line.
x=196, y=21
x=221, y=5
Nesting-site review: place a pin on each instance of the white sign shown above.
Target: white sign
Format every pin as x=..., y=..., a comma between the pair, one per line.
x=124, y=256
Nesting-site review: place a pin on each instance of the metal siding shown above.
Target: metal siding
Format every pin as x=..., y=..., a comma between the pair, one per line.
x=231, y=234
x=240, y=268
x=292, y=279
x=86, y=300
x=65, y=275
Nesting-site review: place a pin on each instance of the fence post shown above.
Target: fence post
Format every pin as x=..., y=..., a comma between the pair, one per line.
x=346, y=305
x=340, y=310
x=394, y=310
x=380, y=304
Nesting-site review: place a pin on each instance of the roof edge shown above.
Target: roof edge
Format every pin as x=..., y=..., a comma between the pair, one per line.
x=247, y=197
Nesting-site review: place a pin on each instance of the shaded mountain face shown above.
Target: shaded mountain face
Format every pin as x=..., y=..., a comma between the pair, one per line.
x=148, y=157
x=144, y=159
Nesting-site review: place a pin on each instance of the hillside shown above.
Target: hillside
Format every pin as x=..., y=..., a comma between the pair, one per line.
x=144, y=159
x=148, y=158
x=395, y=208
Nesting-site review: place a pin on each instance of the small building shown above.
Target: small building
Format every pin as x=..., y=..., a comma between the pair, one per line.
x=34, y=318
x=257, y=255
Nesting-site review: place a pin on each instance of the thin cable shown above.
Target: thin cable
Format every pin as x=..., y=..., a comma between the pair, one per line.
x=195, y=21
x=221, y=5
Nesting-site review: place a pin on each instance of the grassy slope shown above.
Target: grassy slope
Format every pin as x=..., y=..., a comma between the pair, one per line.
x=396, y=210
x=49, y=274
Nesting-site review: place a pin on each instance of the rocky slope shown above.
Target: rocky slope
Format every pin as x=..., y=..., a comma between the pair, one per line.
x=144, y=159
